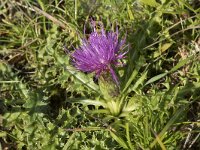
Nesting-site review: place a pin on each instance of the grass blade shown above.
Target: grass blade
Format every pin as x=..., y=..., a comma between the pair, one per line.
x=170, y=122
x=121, y=142
x=179, y=65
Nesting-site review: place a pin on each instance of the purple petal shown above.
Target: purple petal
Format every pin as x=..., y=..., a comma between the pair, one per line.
x=114, y=75
x=99, y=52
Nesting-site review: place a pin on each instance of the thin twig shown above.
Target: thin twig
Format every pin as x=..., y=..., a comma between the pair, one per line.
x=85, y=129
x=48, y=16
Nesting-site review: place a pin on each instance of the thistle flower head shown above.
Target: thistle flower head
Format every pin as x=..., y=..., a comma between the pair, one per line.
x=99, y=53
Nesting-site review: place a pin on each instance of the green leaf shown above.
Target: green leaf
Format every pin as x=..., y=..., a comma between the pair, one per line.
x=9, y=81
x=152, y=3
x=128, y=135
x=162, y=49
x=87, y=101
x=119, y=140
x=132, y=77
x=140, y=80
x=83, y=78
x=130, y=13
x=69, y=141
x=3, y=133
x=108, y=87
x=155, y=78
x=181, y=64
x=131, y=105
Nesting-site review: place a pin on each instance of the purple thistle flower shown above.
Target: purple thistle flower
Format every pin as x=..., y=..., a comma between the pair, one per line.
x=99, y=53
